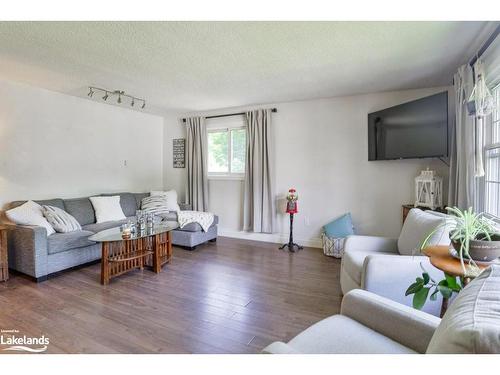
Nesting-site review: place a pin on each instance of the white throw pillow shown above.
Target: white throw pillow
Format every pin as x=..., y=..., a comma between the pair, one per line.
x=60, y=220
x=29, y=213
x=418, y=225
x=170, y=199
x=107, y=208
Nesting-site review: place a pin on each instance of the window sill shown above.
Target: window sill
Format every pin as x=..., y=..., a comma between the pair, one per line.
x=226, y=177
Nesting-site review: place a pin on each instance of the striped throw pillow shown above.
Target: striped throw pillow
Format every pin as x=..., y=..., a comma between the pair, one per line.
x=60, y=220
x=156, y=205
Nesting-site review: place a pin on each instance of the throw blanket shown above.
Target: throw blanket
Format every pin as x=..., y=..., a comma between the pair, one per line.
x=205, y=219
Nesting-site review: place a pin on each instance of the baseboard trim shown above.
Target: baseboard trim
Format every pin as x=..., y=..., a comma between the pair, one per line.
x=265, y=237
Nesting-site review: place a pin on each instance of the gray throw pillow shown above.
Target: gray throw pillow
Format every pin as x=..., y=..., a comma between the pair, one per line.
x=60, y=220
x=472, y=323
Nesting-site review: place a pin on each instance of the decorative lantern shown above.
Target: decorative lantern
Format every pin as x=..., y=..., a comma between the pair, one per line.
x=428, y=190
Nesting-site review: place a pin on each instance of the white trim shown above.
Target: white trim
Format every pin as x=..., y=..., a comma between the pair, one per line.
x=278, y=238
x=225, y=176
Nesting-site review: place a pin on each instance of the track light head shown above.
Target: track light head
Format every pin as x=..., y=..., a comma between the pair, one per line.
x=132, y=103
x=91, y=92
x=143, y=104
x=105, y=97
x=119, y=98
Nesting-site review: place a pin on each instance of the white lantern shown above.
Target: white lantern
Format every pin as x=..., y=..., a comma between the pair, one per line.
x=428, y=190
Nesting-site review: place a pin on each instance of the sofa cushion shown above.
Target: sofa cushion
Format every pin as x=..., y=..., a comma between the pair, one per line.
x=59, y=242
x=138, y=199
x=195, y=227
x=341, y=335
x=97, y=227
x=127, y=202
x=340, y=227
x=81, y=209
x=472, y=323
x=352, y=262
x=418, y=225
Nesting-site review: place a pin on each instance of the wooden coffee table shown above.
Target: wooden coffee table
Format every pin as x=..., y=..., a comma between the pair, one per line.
x=149, y=248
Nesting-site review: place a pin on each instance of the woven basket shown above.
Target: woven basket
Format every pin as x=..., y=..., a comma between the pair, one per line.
x=333, y=247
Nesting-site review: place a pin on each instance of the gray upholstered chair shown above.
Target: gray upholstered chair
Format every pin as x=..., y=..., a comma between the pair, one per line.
x=369, y=323
x=387, y=266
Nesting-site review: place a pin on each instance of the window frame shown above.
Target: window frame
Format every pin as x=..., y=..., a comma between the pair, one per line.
x=226, y=175
x=488, y=147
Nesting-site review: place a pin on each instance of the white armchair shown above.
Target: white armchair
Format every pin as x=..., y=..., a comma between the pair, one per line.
x=387, y=266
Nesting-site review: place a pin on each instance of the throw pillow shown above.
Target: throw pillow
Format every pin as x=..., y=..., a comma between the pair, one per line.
x=60, y=220
x=156, y=205
x=418, y=225
x=471, y=324
x=170, y=199
x=340, y=227
x=107, y=208
x=29, y=213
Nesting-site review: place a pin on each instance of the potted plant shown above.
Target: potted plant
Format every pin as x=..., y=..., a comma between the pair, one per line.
x=474, y=237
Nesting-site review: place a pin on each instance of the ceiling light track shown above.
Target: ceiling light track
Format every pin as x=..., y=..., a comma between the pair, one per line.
x=117, y=93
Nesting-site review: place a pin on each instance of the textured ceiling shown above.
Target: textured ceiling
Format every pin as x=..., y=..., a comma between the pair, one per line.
x=189, y=66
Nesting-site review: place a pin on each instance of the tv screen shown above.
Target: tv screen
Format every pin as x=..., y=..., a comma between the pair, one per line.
x=417, y=129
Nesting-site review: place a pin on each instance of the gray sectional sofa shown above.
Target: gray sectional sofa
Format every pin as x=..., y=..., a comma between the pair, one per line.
x=33, y=253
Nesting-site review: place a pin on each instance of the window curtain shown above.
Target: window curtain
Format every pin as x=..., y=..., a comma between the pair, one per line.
x=259, y=214
x=196, y=160
x=462, y=187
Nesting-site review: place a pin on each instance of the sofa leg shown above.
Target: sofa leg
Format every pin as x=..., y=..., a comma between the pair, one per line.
x=213, y=240
x=191, y=248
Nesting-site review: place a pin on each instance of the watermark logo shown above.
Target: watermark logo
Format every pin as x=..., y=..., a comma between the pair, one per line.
x=12, y=340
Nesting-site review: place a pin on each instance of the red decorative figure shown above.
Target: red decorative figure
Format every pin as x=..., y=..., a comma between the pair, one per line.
x=291, y=209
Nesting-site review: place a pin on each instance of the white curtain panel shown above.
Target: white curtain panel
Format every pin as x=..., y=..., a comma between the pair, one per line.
x=196, y=161
x=259, y=213
x=462, y=156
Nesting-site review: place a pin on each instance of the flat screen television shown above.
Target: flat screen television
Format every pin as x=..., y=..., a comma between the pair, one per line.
x=417, y=129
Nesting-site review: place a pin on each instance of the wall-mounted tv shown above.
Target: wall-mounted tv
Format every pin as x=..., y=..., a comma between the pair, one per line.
x=417, y=129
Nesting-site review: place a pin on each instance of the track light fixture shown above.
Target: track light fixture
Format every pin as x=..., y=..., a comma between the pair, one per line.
x=118, y=93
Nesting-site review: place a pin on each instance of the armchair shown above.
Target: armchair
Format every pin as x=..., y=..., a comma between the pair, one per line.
x=387, y=266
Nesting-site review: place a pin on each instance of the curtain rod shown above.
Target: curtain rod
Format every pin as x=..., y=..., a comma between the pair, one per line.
x=485, y=45
x=230, y=114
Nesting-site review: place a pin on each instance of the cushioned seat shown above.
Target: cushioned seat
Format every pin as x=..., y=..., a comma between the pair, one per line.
x=352, y=262
x=59, y=242
x=351, y=337
x=98, y=227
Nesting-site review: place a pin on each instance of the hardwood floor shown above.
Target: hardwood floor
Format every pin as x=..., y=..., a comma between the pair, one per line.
x=233, y=296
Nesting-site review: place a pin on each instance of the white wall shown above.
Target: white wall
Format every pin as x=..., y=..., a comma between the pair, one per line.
x=56, y=145
x=322, y=151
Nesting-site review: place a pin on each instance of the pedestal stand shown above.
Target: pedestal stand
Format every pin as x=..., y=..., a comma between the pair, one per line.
x=291, y=245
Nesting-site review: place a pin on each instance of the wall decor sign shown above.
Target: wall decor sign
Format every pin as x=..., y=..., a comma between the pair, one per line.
x=179, y=153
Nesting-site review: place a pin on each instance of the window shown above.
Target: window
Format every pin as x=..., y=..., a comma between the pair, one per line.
x=226, y=152
x=492, y=159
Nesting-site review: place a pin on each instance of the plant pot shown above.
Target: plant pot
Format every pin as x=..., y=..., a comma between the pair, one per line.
x=480, y=250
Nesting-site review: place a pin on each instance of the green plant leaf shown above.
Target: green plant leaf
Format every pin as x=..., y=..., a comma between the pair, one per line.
x=420, y=297
x=434, y=294
x=414, y=288
x=426, y=278
x=451, y=282
x=445, y=291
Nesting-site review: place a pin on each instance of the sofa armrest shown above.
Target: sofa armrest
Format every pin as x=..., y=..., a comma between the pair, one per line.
x=371, y=243
x=27, y=246
x=390, y=275
x=279, y=347
x=185, y=206
x=405, y=325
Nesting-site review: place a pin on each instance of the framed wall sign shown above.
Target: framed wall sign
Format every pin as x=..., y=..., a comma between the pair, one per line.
x=179, y=151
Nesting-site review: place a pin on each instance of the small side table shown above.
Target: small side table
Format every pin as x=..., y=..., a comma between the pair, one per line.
x=441, y=258
x=4, y=263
